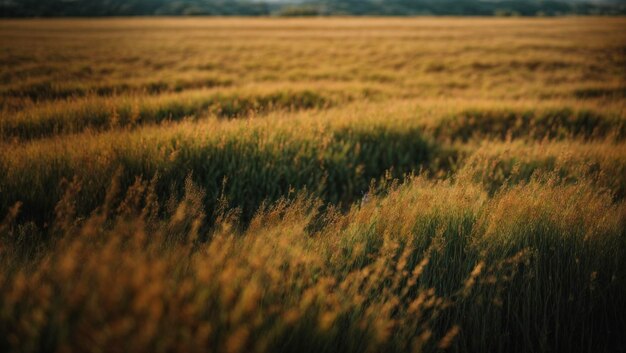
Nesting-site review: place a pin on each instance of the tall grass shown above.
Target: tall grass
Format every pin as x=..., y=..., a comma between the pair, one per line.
x=538, y=267
x=249, y=161
x=561, y=123
x=388, y=185
x=105, y=113
x=494, y=164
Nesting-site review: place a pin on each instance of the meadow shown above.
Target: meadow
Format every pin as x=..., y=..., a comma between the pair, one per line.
x=313, y=185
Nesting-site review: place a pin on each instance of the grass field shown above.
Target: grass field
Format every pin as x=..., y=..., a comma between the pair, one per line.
x=313, y=185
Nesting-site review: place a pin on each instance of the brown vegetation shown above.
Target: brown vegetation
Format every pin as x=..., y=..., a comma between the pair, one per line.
x=309, y=185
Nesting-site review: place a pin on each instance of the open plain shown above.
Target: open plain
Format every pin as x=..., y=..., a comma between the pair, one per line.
x=313, y=185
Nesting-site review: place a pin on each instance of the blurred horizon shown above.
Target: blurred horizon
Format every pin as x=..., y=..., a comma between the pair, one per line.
x=293, y=8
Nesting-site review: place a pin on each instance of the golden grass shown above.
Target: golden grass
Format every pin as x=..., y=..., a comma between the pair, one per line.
x=313, y=185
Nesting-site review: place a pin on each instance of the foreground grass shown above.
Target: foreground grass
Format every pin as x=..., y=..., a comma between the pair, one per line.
x=428, y=266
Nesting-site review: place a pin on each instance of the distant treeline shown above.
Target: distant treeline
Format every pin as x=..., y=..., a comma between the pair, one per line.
x=74, y=8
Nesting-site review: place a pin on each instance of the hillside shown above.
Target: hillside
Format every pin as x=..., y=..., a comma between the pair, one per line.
x=91, y=8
